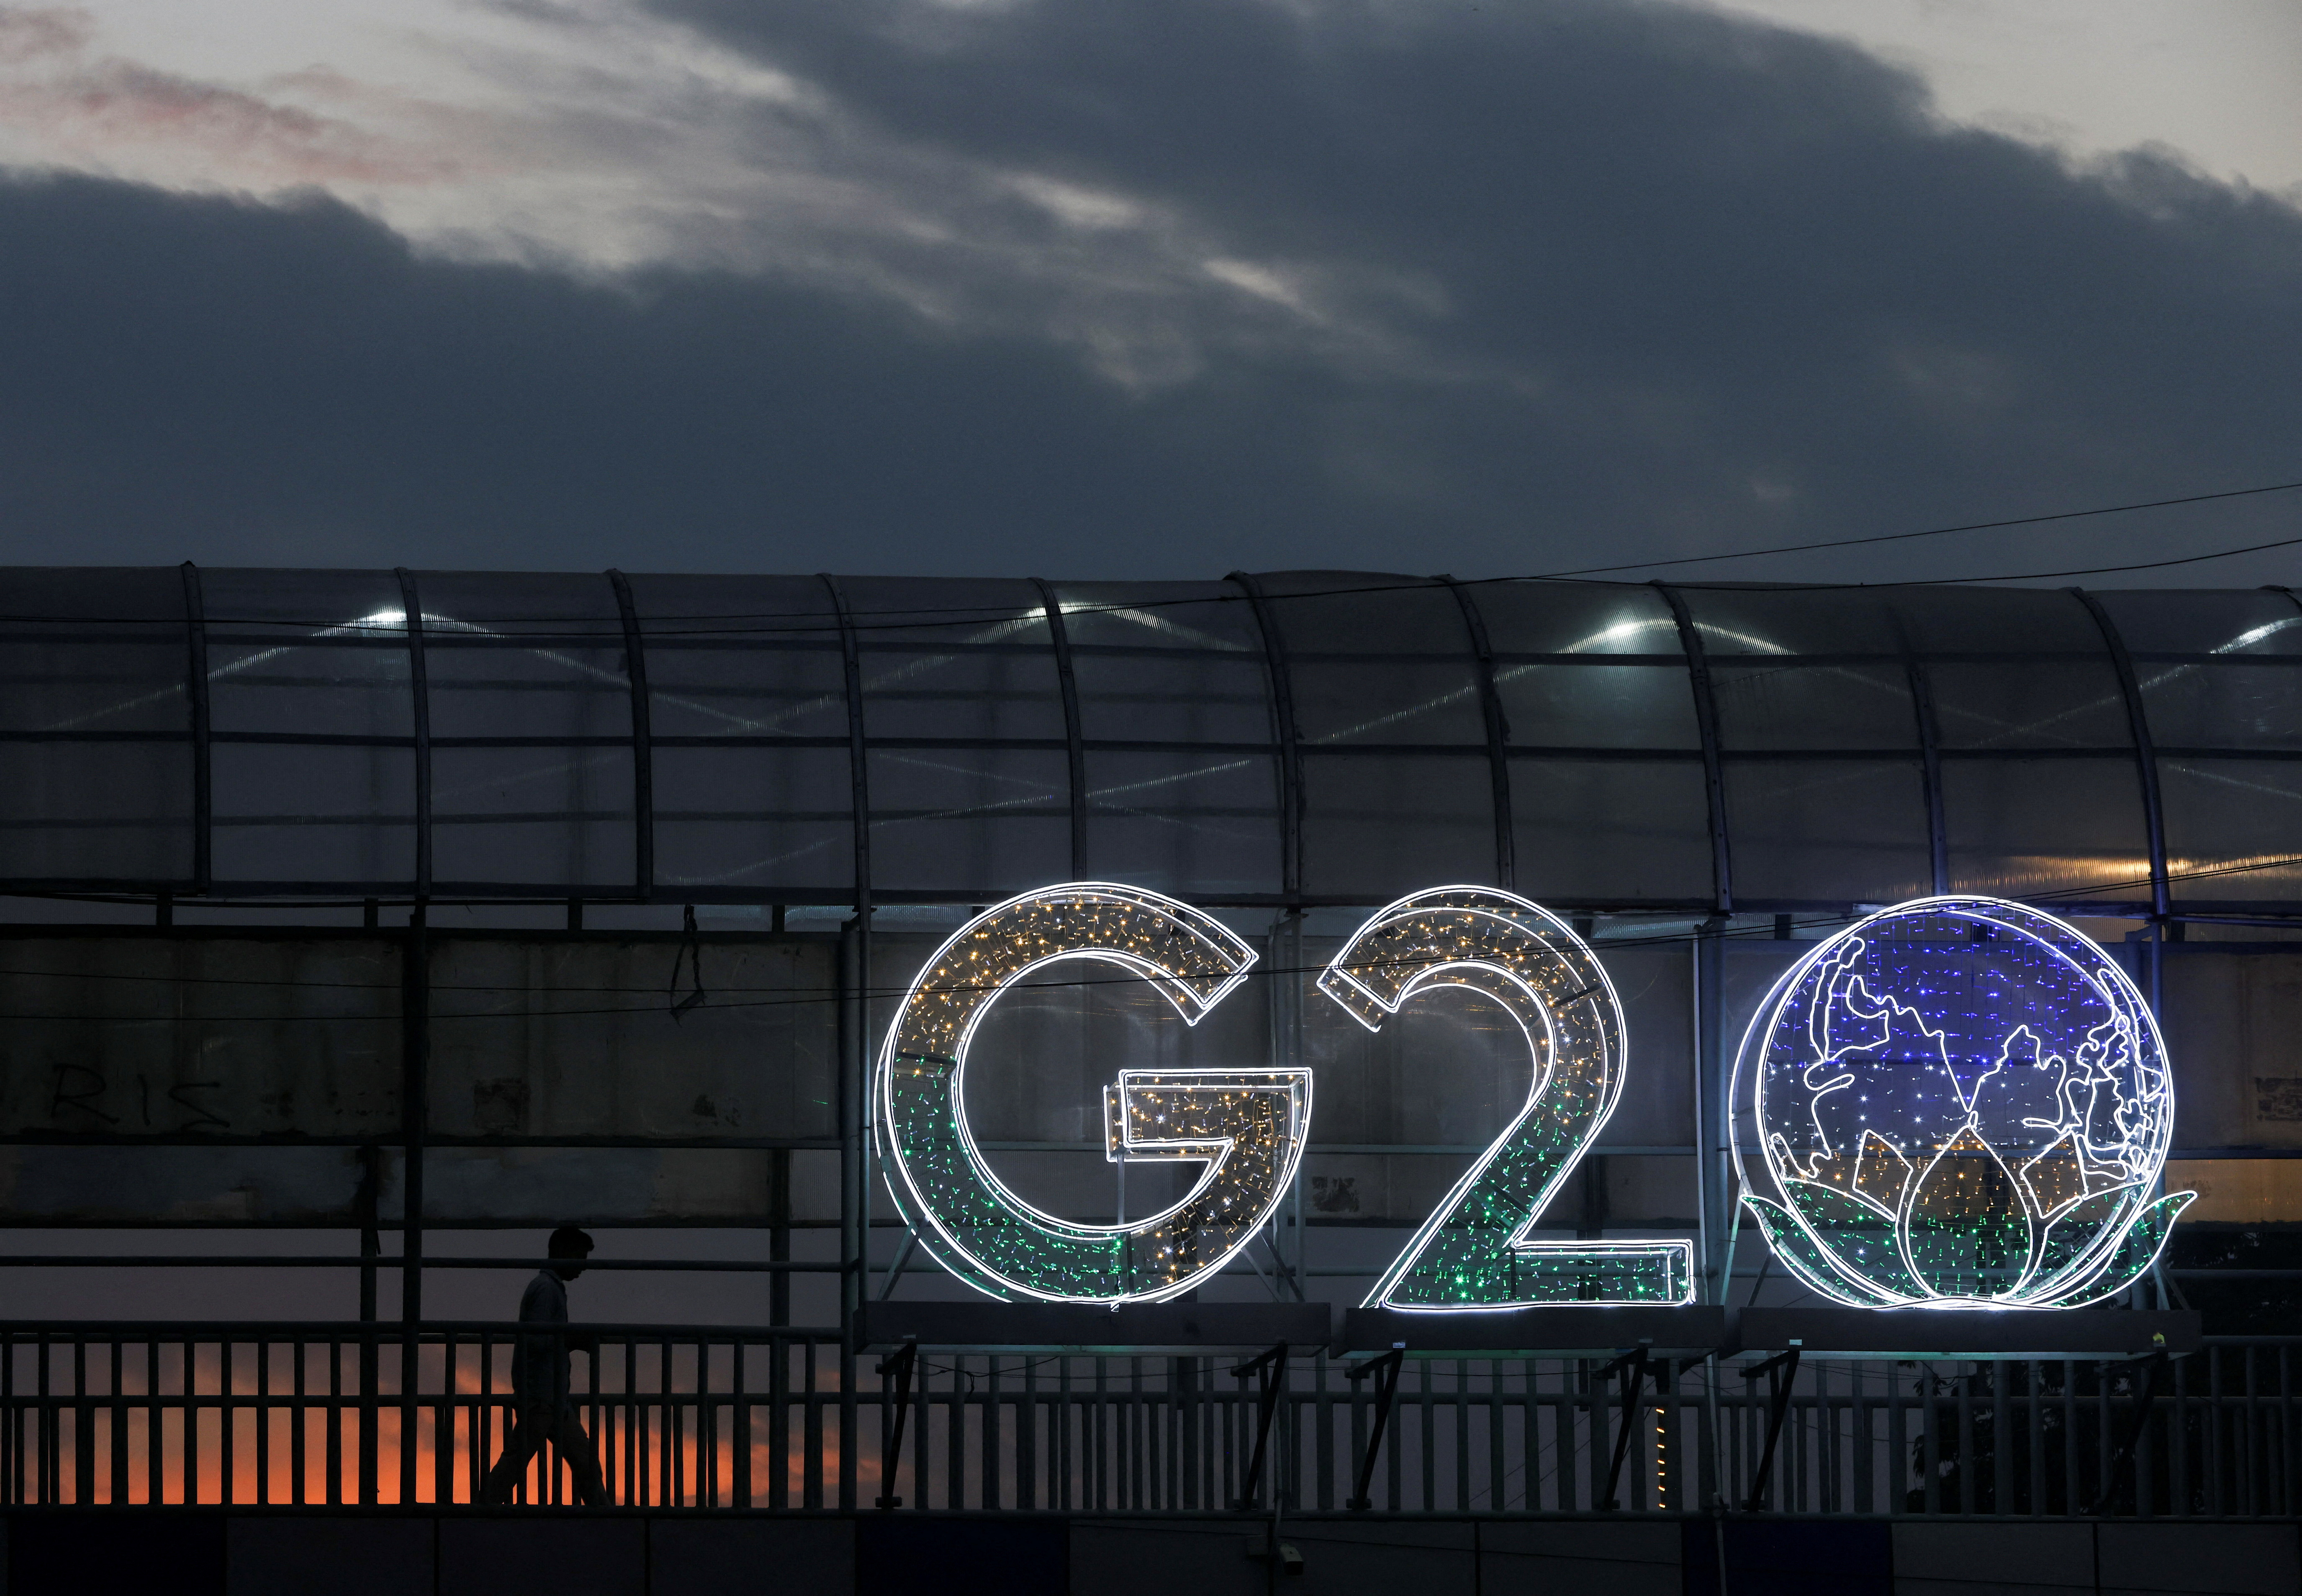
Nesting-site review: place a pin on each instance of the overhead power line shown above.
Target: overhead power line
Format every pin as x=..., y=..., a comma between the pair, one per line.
x=821, y=620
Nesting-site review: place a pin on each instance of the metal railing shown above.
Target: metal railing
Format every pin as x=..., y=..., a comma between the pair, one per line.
x=711, y=1416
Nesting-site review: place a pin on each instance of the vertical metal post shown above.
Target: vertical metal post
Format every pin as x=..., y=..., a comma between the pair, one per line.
x=2145, y=753
x=414, y=1039
x=854, y=1052
x=1060, y=635
x=1291, y=758
x=642, y=745
x=1718, y=1219
x=419, y=690
x=779, y=1238
x=196, y=641
x=1285, y=1019
x=1491, y=705
x=1706, y=720
x=415, y=1057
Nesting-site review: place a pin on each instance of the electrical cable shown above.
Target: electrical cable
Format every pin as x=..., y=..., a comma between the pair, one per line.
x=823, y=622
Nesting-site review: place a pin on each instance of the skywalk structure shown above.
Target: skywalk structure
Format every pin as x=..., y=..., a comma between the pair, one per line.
x=401, y=907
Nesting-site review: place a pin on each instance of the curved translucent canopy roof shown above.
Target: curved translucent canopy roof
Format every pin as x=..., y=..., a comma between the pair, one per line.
x=1301, y=737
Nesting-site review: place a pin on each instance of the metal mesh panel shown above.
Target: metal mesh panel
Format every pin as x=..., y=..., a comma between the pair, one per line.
x=297, y=655
x=1392, y=666
x=984, y=822
x=988, y=672
x=1547, y=618
x=2033, y=705
x=2222, y=705
x=747, y=697
x=94, y=653
x=512, y=661
x=2239, y=622
x=1597, y=706
x=1355, y=846
x=292, y=815
x=1814, y=706
x=1615, y=831
x=2039, y=826
x=1746, y=621
x=546, y=817
x=1184, y=822
x=948, y=818
x=489, y=689
x=741, y=657
x=1827, y=830
x=1179, y=664
x=97, y=811
x=1173, y=696
x=312, y=780
x=2233, y=829
x=96, y=768
x=1996, y=621
x=739, y=816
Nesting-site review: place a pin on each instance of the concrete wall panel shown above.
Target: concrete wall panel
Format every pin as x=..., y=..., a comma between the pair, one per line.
x=541, y=1555
x=703, y=1555
x=2226, y=1559
x=343, y=1556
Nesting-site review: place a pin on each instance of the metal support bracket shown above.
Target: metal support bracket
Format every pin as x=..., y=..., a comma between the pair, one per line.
x=1781, y=1375
x=1271, y=1368
x=891, y=1452
x=2139, y=1420
x=1385, y=1370
x=1631, y=1370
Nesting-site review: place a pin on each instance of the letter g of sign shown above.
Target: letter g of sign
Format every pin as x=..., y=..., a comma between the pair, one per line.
x=1246, y=1126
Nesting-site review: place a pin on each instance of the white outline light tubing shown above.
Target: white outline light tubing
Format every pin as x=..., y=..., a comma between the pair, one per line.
x=1546, y=1061
x=1234, y=950
x=2126, y=999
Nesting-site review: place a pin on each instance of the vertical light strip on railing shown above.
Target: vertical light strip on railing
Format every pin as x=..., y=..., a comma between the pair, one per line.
x=1490, y=706
x=2146, y=753
x=1291, y=761
x=196, y=641
x=642, y=743
x=1060, y=635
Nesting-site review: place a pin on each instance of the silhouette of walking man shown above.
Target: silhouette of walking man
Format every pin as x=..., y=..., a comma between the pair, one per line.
x=539, y=1380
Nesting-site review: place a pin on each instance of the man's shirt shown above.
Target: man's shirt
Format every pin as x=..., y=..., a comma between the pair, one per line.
x=540, y=1367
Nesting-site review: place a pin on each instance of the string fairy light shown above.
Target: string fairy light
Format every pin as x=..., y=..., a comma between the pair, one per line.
x=1248, y=1125
x=1474, y=1252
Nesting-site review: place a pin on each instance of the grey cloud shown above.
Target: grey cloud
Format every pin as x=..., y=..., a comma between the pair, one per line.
x=1488, y=290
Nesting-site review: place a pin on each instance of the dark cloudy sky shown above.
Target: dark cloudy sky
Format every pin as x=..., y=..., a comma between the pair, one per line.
x=1090, y=288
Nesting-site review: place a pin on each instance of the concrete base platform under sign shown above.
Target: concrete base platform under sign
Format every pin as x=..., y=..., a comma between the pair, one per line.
x=1966, y=1334
x=1083, y=1327
x=1550, y=1331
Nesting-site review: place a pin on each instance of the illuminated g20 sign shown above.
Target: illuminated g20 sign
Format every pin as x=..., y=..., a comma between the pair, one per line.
x=1957, y=1103
x=1248, y=1126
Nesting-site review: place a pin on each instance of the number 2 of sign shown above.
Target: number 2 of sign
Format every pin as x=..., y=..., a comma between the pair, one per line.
x=1248, y=1127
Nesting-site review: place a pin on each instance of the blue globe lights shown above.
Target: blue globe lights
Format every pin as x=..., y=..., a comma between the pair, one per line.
x=1957, y=1103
